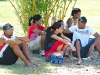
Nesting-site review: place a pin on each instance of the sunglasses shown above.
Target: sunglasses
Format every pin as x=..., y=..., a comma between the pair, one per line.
x=81, y=20
x=10, y=28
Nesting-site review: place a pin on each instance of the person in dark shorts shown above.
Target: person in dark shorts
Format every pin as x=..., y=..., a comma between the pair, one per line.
x=81, y=35
x=12, y=48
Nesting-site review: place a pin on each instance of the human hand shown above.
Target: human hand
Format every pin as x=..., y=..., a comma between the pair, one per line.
x=17, y=41
x=66, y=40
x=72, y=47
x=69, y=40
x=91, y=49
x=54, y=19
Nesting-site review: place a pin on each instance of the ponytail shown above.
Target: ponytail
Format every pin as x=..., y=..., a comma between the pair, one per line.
x=48, y=29
x=30, y=21
x=33, y=19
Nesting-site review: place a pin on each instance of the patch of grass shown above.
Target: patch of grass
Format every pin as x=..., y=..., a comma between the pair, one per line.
x=7, y=13
x=90, y=9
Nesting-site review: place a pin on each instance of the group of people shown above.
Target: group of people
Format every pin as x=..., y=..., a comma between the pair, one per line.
x=56, y=38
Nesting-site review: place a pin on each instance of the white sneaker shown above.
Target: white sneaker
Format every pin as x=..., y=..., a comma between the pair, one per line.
x=42, y=52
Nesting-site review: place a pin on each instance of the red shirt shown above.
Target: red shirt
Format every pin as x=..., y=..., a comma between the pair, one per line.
x=31, y=28
x=1, y=47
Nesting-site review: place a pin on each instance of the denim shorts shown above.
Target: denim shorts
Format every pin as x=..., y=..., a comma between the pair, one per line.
x=84, y=50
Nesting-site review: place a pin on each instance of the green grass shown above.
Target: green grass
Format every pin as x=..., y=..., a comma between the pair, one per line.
x=90, y=9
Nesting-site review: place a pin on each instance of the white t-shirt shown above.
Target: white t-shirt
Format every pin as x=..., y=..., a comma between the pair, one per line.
x=82, y=34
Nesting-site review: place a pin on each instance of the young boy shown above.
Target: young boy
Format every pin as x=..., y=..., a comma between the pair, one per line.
x=81, y=35
x=12, y=48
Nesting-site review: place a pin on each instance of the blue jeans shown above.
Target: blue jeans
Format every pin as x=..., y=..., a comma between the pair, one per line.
x=84, y=50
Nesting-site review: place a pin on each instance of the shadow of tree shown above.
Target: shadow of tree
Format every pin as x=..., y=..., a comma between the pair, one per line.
x=3, y=0
x=0, y=27
x=46, y=68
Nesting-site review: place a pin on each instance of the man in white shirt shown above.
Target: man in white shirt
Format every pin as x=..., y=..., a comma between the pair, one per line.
x=81, y=35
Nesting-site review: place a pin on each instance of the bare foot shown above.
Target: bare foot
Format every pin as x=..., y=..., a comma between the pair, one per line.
x=36, y=64
x=31, y=66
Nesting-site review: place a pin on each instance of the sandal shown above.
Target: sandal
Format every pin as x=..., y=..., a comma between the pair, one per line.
x=31, y=66
x=78, y=63
x=36, y=65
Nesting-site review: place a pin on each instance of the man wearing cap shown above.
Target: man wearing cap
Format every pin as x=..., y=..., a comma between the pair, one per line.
x=81, y=35
x=12, y=47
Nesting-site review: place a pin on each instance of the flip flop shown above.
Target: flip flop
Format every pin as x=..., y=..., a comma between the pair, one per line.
x=31, y=66
x=36, y=65
x=78, y=63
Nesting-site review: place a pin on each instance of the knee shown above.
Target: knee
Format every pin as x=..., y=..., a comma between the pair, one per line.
x=65, y=46
x=77, y=42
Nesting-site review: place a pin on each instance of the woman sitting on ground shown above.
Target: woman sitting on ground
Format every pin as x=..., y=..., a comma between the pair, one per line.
x=36, y=33
x=54, y=42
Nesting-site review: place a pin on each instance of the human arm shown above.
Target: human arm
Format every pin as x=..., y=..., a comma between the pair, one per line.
x=66, y=38
x=25, y=39
x=53, y=19
x=10, y=41
x=70, y=30
x=66, y=31
x=97, y=41
x=43, y=33
x=60, y=39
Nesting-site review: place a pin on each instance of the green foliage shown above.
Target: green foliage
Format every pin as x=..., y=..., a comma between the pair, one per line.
x=46, y=8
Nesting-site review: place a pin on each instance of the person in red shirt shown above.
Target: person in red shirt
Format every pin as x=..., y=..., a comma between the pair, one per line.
x=12, y=48
x=36, y=33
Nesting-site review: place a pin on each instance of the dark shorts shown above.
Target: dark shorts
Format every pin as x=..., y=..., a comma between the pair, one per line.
x=84, y=50
x=9, y=57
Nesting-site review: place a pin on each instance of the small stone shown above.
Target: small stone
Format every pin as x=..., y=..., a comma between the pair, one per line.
x=86, y=69
x=98, y=72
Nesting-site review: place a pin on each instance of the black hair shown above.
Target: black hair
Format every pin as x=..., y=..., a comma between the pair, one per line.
x=82, y=19
x=55, y=26
x=75, y=11
x=34, y=19
x=60, y=21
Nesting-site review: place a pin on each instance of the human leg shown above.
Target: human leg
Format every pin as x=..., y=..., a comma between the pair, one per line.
x=55, y=48
x=26, y=52
x=42, y=42
x=78, y=48
x=19, y=53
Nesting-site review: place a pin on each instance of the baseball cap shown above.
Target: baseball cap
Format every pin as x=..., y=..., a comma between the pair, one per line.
x=7, y=27
x=82, y=19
